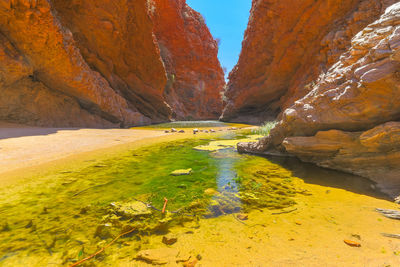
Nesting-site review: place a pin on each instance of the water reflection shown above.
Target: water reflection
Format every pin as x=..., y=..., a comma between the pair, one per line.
x=227, y=184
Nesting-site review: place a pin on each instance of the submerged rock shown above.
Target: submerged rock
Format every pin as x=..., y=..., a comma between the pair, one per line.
x=242, y=216
x=131, y=209
x=103, y=231
x=182, y=172
x=210, y=192
x=170, y=239
x=158, y=256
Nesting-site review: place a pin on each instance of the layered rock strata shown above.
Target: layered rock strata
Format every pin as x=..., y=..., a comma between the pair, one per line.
x=350, y=120
x=92, y=63
x=189, y=52
x=286, y=46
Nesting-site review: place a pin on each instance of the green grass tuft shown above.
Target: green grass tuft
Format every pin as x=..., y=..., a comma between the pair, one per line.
x=265, y=128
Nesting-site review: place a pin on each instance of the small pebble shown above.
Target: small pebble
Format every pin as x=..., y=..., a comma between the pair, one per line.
x=170, y=239
x=243, y=217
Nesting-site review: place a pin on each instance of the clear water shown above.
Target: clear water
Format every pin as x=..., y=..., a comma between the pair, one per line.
x=63, y=217
x=190, y=124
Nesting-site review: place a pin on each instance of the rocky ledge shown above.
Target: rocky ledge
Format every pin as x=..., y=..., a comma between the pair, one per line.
x=350, y=119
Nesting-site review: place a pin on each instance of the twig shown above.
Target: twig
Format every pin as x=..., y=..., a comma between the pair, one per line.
x=101, y=250
x=283, y=212
x=391, y=235
x=165, y=205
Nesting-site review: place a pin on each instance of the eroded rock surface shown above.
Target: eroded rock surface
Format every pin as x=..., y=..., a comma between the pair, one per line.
x=98, y=64
x=350, y=119
x=287, y=45
x=189, y=52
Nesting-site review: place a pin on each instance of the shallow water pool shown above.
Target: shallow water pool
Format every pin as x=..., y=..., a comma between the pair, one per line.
x=62, y=218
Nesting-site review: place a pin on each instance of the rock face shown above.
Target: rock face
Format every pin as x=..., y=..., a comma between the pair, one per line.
x=286, y=46
x=87, y=63
x=189, y=52
x=350, y=119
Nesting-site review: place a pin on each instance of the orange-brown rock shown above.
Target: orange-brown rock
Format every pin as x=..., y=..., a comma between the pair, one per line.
x=189, y=52
x=35, y=32
x=98, y=63
x=286, y=46
x=115, y=38
x=374, y=153
x=350, y=119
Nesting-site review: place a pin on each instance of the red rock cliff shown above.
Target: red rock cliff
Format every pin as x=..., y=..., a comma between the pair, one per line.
x=350, y=120
x=96, y=63
x=195, y=77
x=286, y=46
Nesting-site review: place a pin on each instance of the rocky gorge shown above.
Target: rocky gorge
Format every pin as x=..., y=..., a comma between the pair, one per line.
x=105, y=63
x=348, y=118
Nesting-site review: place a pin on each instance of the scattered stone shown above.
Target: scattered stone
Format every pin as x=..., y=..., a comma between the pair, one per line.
x=158, y=256
x=206, y=131
x=84, y=210
x=181, y=131
x=166, y=131
x=195, y=131
x=182, y=172
x=242, y=216
x=212, y=131
x=131, y=210
x=391, y=235
x=173, y=130
x=190, y=263
x=392, y=214
x=210, y=192
x=352, y=243
x=298, y=223
x=170, y=239
x=29, y=224
x=5, y=227
x=103, y=231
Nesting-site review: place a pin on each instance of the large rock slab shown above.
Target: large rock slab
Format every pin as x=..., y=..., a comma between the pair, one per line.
x=374, y=153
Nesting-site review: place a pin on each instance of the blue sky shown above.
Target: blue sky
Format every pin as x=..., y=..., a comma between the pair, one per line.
x=227, y=20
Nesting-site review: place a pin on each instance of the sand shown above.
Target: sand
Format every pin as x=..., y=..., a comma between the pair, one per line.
x=22, y=146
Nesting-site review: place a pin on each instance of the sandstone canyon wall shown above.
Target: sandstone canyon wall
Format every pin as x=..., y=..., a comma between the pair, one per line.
x=189, y=52
x=286, y=46
x=90, y=63
x=350, y=120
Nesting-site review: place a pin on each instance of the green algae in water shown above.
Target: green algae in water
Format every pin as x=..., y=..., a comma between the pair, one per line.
x=67, y=216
